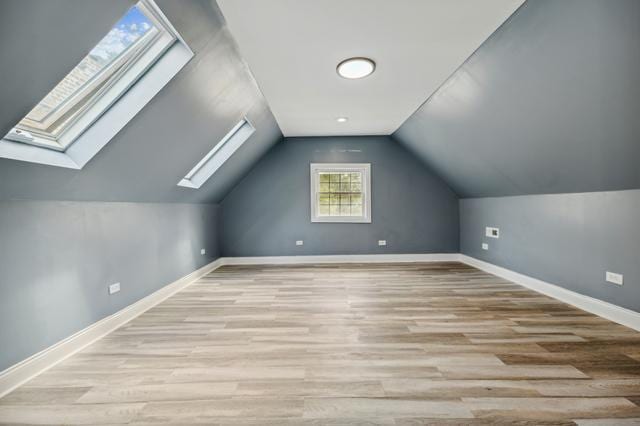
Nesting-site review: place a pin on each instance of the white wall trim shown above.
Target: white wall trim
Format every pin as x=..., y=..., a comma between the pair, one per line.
x=24, y=371
x=346, y=258
x=598, y=307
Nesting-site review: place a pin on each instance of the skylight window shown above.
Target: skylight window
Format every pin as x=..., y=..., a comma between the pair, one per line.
x=218, y=155
x=134, y=43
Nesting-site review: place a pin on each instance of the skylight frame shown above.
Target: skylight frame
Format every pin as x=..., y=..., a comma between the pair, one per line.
x=111, y=73
x=117, y=84
x=218, y=155
x=97, y=135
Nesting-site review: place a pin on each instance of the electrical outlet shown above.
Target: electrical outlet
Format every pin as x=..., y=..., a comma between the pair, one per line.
x=485, y=246
x=203, y=252
x=114, y=288
x=614, y=278
x=492, y=232
x=382, y=242
x=299, y=242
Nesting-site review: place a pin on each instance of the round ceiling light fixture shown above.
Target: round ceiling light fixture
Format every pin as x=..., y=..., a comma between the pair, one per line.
x=342, y=119
x=353, y=68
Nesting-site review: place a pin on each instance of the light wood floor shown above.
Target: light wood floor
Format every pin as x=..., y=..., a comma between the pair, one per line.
x=389, y=344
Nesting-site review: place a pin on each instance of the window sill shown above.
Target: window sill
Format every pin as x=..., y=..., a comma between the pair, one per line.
x=338, y=219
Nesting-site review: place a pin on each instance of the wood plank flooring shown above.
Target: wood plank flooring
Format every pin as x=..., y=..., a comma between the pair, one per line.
x=374, y=344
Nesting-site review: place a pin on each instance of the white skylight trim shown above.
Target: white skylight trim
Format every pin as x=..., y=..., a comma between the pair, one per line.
x=73, y=140
x=218, y=155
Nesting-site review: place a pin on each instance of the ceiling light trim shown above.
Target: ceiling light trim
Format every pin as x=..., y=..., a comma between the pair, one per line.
x=356, y=74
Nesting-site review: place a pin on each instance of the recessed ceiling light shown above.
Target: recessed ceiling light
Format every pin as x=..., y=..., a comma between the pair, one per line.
x=342, y=119
x=356, y=68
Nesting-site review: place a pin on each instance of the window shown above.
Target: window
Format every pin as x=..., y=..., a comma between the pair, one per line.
x=218, y=155
x=65, y=112
x=128, y=52
x=341, y=193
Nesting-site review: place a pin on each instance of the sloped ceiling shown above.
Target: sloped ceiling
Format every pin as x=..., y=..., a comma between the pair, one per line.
x=549, y=104
x=30, y=30
x=145, y=161
x=294, y=46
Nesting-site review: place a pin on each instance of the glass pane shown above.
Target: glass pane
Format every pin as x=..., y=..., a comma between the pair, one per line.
x=120, y=39
x=340, y=194
x=324, y=198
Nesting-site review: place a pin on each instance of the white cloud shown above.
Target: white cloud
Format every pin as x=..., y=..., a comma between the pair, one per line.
x=113, y=44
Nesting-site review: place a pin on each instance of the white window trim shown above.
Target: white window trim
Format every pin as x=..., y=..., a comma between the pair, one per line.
x=364, y=168
x=119, y=109
x=145, y=56
x=220, y=153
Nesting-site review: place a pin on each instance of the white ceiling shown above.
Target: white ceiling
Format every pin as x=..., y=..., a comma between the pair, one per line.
x=294, y=46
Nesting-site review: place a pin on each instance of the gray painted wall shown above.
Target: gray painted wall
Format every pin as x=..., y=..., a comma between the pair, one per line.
x=57, y=259
x=412, y=209
x=566, y=239
x=180, y=125
x=548, y=104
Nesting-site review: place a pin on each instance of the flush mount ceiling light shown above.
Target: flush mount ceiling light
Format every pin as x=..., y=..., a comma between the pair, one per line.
x=342, y=119
x=353, y=68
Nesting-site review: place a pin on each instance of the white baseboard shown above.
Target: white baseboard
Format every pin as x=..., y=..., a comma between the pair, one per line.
x=20, y=373
x=598, y=307
x=346, y=258
x=25, y=370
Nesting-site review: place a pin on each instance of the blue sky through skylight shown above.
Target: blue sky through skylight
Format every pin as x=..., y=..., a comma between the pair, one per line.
x=133, y=25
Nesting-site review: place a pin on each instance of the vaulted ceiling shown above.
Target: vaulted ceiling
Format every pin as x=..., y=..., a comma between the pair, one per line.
x=546, y=104
x=549, y=104
x=294, y=46
x=144, y=161
x=40, y=42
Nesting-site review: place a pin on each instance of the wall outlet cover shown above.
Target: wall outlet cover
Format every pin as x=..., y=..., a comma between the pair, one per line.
x=299, y=242
x=485, y=246
x=492, y=232
x=114, y=288
x=382, y=242
x=203, y=251
x=614, y=278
